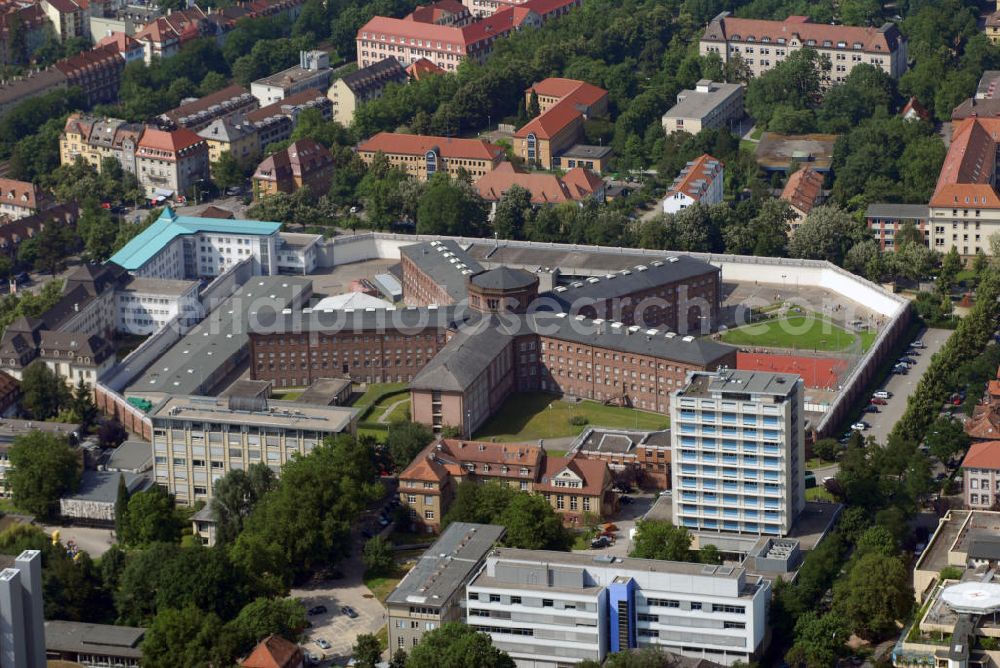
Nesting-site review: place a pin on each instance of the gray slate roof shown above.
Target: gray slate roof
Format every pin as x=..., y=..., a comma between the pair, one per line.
x=504, y=278
x=435, y=260
x=646, y=276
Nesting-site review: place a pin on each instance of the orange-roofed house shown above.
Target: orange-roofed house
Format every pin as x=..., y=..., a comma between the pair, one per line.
x=442, y=13
x=422, y=68
x=427, y=486
x=764, y=44
x=914, y=111
x=20, y=199
x=304, y=163
x=171, y=161
x=577, y=185
x=275, y=652
x=803, y=191
x=965, y=208
x=564, y=105
x=981, y=475
x=424, y=155
x=128, y=47
x=700, y=182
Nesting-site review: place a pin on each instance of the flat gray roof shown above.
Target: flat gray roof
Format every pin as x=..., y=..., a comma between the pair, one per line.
x=11, y=429
x=586, y=151
x=130, y=456
x=600, y=440
x=279, y=414
x=650, y=274
x=102, y=486
x=905, y=211
x=447, y=564
x=740, y=382
x=193, y=361
x=159, y=286
x=245, y=387
x=698, y=104
x=324, y=390
x=99, y=639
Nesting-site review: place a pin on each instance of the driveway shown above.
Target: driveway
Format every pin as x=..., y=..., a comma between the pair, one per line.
x=340, y=630
x=625, y=519
x=91, y=540
x=902, y=387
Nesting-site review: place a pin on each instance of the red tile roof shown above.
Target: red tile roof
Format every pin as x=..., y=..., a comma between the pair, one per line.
x=804, y=189
x=985, y=455
x=302, y=158
x=968, y=167
x=274, y=652
x=593, y=472
x=436, y=11
x=172, y=141
x=872, y=40
x=984, y=423
x=64, y=6
x=447, y=147
x=577, y=184
x=550, y=123
x=421, y=68
x=575, y=98
x=913, y=104
x=20, y=193
x=696, y=176
x=583, y=92
x=123, y=42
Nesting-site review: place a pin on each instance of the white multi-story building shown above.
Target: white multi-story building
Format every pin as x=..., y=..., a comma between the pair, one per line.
x=146, y=304
x=187, y=247
x=313, y=71
x=709, y=105
x=555, y=609
x=738, y=446
x=197, y=440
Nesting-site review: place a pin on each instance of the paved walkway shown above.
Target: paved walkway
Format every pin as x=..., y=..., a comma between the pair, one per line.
x=385, y=414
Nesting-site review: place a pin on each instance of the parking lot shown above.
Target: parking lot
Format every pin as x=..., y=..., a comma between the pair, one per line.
x=902, y=387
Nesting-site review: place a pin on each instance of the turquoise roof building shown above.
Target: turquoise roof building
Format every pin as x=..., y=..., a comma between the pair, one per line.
x=149, y=244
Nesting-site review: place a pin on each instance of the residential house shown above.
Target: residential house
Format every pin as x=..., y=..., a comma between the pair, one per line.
x=700, y=182
x=914, y=111
x=275, y=652
x=313, y=71
x=127, y=46
x=421, y=68
x=421, y=156
x=225, y=136
x=992, y=25
x=763, y=44
x=164, y=36
x=564, y=105
x=68, y=18
x=577, y=185
x=230, y=104
x=442, y=13
x=97, y=73
x=350, y=91
x=578, y=489
x=20, y=199
x=981, y=476
x=93, y=140
x=984, y=424
x=803, y=191
x=709, y=105
x=305, y=163
x=275, y=122
x=14, y=232
x=171, y=162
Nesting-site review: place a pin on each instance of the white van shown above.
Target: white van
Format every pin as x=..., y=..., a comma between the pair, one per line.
x=882, y=394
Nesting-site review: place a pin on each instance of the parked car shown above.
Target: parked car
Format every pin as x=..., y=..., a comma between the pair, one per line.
x=859, y=426
x=349, y=611
x=919, y=549
x=625, y=499
x=883, y=394
x=312, y=659
x=600, y=542
x=918, y=344
x=317, y=610
x=323, y=644
x=907, y=360
x=871, y=409
x=900, y=371
x=878, y=402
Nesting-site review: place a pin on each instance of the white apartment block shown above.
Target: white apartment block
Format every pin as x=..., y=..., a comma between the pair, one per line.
x=763, y=44
x=700, y=182
x=197, y=440
x=738, y=444
x=709, y=105
x=313, y=71
x=146, y=304
x=556, y=609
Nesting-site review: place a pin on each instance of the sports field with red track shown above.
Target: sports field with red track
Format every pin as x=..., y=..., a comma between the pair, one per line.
x=821, y=372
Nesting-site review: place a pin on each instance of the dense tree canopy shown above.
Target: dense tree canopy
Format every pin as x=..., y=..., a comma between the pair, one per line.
x=456, y=645
x=530, y=520
x=43, y=468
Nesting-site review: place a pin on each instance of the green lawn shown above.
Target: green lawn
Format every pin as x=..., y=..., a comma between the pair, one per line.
x=287, y=395
x=398, y=413
x=382, y=587
x=531, y=416
x=803, y=331
x=747, y=145
x=818, y=494
x=375, y=390
x=757, y=133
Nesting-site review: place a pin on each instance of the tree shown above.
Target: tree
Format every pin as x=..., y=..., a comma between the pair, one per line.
x=366, y=651
x=946, y=437
x=398, y=659
x=121, y=507
x=44, y=393
x=879, y=540
x=151, y=518
x=827, y=234
x=979, y=266
x=186, y=637
x=710, y=555
x=227, y=171
x=265, y=616
x=826, y=449
x=450, y=207
x=792, y=85
x=951, y=264
x=43, y=469
x=377, y=557
x=766, y=234
x=532, y=524
x=659, y=539
x=405, y=441
x=512, y=213
x=82, y=406
x=456, y=645
x=111, y=433
x=819, y=640
x=235, y=495
x=875, y=594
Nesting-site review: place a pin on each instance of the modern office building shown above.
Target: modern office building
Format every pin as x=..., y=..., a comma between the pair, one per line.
x=738, y=452
x=313, y=71
x=197, y=440
x=22, y=623
x=556, y=609
x=762, y=44
x=433, y=592
x=709, y=105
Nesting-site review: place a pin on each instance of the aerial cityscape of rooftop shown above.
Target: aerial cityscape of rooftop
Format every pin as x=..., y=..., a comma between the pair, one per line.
x=499, y=333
